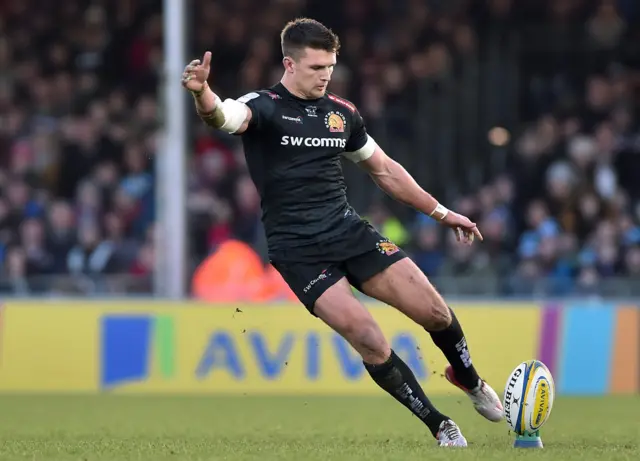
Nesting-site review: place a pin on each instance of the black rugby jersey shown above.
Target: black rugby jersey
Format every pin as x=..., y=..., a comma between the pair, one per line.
x=293, y=148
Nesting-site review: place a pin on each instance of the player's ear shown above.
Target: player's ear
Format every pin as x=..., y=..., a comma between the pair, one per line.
x=288, y=63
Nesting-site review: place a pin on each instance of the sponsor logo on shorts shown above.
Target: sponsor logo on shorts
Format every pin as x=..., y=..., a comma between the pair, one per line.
x=323, y=276
x=335, y=121
x=313, y=142
x=297, y=119
x=387, y=248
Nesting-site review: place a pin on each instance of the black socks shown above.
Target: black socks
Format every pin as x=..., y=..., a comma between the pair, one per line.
x=395, y=377
x=453, y=344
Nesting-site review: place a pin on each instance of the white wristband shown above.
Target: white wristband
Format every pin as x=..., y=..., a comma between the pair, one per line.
x=234, y=113
x=440, y=210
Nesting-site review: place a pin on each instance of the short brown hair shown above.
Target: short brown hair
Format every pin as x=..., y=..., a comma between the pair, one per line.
x=304, y=33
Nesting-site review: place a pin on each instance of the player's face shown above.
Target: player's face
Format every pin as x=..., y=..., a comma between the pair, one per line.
x=312, y=72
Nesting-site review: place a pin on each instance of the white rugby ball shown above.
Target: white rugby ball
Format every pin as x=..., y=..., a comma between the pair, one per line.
x=528, y=397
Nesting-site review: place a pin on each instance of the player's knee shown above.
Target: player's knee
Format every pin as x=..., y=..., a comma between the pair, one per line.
x=438, y=317
x=367, y=338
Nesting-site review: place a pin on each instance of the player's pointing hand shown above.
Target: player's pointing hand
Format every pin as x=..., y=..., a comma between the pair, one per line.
x=196, y=73
x=465, y=229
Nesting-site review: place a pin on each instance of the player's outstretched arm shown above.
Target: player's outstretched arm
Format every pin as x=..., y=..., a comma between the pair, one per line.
x=230, y=116
x=394, y=179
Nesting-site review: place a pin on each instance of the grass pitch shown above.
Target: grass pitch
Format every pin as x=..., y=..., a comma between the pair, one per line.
x=88, y=428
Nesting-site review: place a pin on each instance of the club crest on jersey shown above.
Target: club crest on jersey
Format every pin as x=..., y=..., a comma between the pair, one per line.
x=335, y=121
x=387, y=248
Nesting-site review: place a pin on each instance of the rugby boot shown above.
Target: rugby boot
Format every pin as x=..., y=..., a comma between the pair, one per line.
x=449, y=435
x=484, y=398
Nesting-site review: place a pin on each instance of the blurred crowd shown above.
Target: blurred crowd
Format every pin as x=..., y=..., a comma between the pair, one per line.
x=562, y=217
x=80, y=122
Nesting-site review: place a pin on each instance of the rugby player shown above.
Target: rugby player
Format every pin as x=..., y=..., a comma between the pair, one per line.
x=294, y=134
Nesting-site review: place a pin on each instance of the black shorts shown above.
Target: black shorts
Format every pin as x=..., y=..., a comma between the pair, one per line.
x=358, y=255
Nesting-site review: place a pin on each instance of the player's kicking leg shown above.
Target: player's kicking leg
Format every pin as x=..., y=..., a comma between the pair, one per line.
x=339, y=309
x=404, y=286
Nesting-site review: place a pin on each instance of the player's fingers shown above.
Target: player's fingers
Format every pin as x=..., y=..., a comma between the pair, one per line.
x=206, y=60
x=458, y=233
x=187, y=76
x=477, y=233
x=469, y=236
x=195, y=62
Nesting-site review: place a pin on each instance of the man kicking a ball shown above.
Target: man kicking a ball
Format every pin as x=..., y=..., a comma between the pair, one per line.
x=293, y=135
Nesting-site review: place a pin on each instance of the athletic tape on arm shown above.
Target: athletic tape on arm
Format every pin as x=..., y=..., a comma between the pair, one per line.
x=235, y=113
x=364, y=152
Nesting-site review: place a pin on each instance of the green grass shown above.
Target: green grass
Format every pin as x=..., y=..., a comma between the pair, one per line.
x=294, y=429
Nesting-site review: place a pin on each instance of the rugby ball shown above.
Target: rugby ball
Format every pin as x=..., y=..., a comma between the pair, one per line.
x=528, y=397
